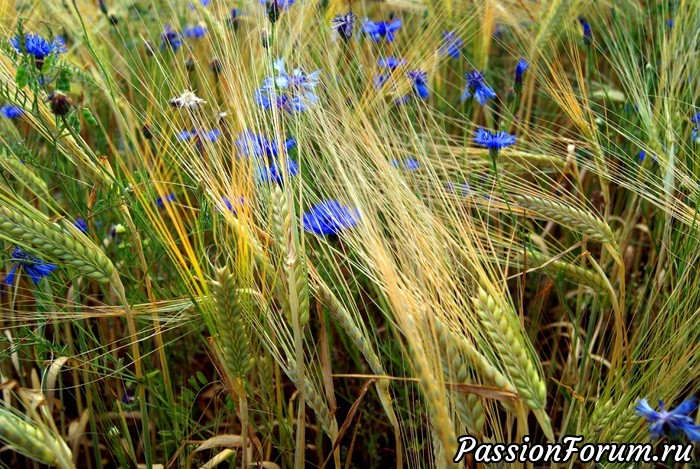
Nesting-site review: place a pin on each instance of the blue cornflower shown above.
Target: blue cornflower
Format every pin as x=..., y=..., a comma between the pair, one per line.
x=81, y=225
x=37, y=46
x=696, y=120
x=519, y=71
x=401, y=100
x=259, y=146
x=35, y=268
x=196, y=32
x=204, y=3
x=330, y=218
x=289, y=92
x=670, y=422
x=477, y=87
x=11, y=111
x=451, y=45
x=231, y=208
x=420, y=85
x=456, y=187
x=170, y=39
x=275, y=8
x=409, y=164
x=161, y=201
x=235, y=15
x=382, y=29
x=208, y=135
x=641, y=155
x=493, y=141
x=297, y=82
x=345, y=25
x=274, y=172
x=390, y=62
x=587, y=33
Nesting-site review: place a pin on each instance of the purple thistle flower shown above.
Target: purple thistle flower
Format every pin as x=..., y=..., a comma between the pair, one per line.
x=670, y=422
x=382, y=29
x=345, y=25
x=35, y=268
x=329, y=218
x=477, y=87
x=420, y=85
x=10, y=111
x=451, y=45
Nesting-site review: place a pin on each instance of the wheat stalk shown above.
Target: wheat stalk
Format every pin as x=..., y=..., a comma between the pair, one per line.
x=69, y=245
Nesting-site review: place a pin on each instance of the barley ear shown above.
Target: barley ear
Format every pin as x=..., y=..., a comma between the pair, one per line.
x=469, y=408
x=509, y=343
x=233, y=334
x=67, y=245
x=294, y=264
x=573, y=218
x=23, y=174
x=27, y=438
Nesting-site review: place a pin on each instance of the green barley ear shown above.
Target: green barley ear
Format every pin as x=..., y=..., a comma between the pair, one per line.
x=233, y=334
x=67, y=245
x=23, y=174
x=573, y=218
x=599, y=419
x=315, y=401
x=508, y=340
x=294, y=258
x=29, y=439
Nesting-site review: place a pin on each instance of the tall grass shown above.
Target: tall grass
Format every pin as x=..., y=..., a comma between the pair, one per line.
x=197, y=323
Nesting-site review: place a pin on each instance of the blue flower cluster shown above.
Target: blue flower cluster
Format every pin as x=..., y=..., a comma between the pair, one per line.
x=37, y=46
x=293, y=92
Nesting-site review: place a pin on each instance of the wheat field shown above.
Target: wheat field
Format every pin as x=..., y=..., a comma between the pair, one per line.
x=320, y=233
